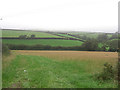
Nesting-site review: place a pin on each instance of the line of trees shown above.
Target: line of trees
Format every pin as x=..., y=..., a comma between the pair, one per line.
x=26, y=37
x=90, y=45
x=108, y=44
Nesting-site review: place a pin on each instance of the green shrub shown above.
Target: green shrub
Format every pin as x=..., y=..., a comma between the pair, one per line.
x=5, y=50
x=109, y=73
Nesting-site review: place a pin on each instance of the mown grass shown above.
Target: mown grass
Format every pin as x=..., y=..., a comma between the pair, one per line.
x=51, y=42
x=11, y=33
x=43, y=72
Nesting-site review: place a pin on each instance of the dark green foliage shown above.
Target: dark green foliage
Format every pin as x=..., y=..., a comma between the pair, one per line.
x=113, y=44
x=109, y=73
x=41, y=47
x=102, y=37
x=5, y=50
x=104, y=47
x=114, y=36
x=90, y=45
x=22, y=36
x=32, y=36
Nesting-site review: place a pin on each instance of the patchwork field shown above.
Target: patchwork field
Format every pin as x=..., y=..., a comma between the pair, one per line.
x=90, y=35
x=51, y=42
x=65, y=35
x=55, y=69
x=13, y=33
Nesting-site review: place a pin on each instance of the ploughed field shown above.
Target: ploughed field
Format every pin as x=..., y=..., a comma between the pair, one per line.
x=55, y=69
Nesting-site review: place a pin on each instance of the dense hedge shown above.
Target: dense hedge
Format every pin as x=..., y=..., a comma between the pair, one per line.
x=41, y=47
x=89, y=45
x=47, y=47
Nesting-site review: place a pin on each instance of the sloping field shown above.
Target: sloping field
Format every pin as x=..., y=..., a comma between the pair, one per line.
x=88, y=34
x=56, y=69
x=12, y=33
x=67, y=36
x=51, y=42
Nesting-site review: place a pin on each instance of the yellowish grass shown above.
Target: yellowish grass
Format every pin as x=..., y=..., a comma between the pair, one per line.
x=73, y=55
x=95, y=59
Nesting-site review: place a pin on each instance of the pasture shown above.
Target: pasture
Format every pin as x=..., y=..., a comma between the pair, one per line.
x=55, y=69
x=67, y=36
x=13, y=33
x=51, y=42
x=88, y=34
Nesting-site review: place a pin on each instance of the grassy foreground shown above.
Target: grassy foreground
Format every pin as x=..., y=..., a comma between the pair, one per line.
x=47, y=69
x=51, y=42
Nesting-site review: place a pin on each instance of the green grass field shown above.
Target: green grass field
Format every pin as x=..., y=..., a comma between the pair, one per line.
x=65, y=35
x=88, y=34
x=11, y=33
x=44, y=72
x=52, y=42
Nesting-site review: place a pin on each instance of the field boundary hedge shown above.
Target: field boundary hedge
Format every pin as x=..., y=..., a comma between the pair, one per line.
x=41, y=38
x=48, y=47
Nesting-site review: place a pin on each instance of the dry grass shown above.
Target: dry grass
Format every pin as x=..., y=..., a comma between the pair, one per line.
x=95, y=59
x=72, y=55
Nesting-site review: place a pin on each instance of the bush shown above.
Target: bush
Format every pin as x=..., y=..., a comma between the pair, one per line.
x=22, y=36
x=87, y=46
x=32, y=36
x=5, y=50
x=109, y=73
x=90, y=45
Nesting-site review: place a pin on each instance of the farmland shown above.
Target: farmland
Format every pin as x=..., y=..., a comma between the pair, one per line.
x=69, y=40
x=33, y=64
x=66, y=35
x=51, y=42
x=88, y=34
x=56, y=69
x=13, y=33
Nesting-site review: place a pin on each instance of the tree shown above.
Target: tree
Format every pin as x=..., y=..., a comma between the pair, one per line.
x=102, y=37
x=32, y=36
x=114, y=36
x=5, y=50
x=113, y=44
x=22, y=36
x=90, y=45
x=105, y=47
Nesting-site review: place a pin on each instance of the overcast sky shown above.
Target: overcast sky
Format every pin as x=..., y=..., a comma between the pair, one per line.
x=78, y=15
